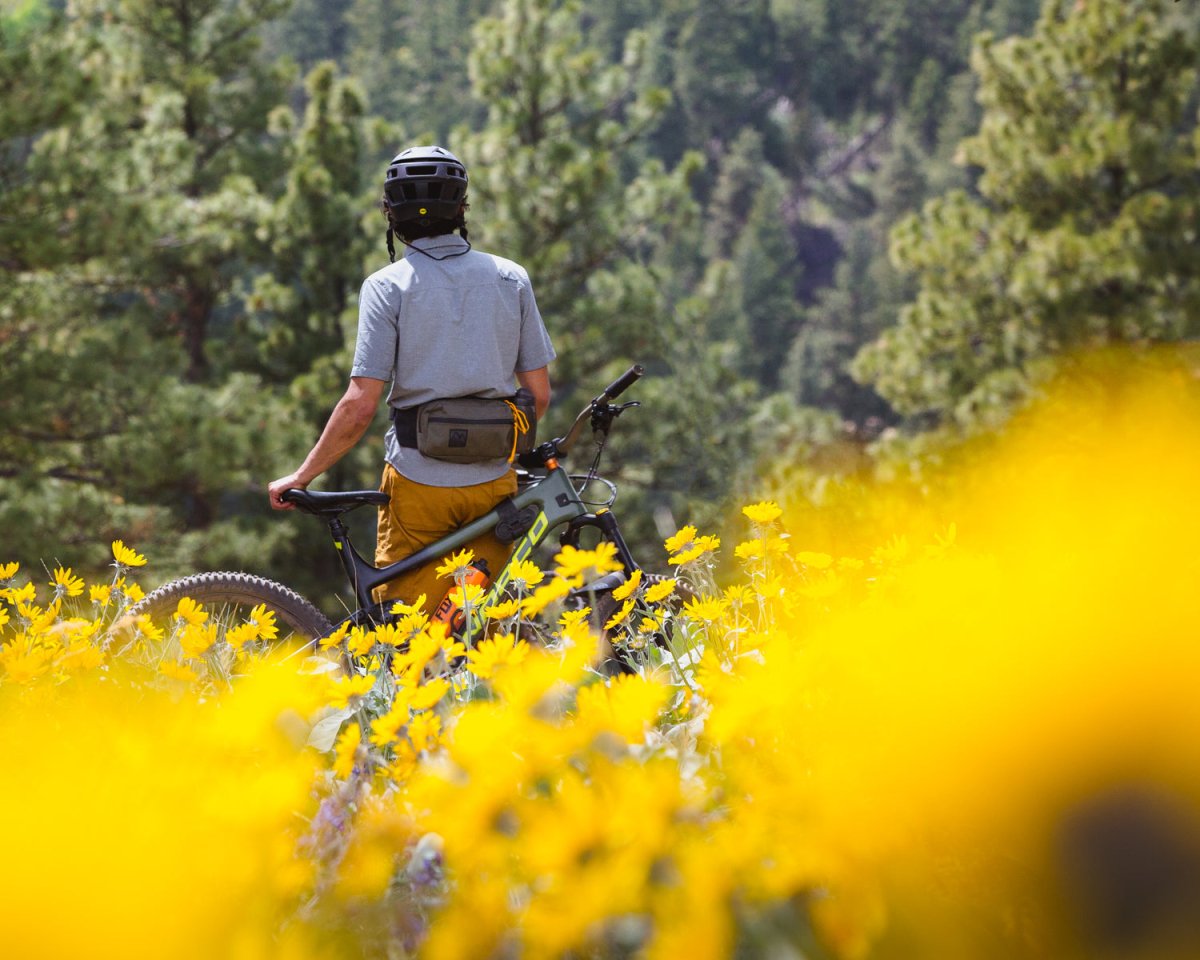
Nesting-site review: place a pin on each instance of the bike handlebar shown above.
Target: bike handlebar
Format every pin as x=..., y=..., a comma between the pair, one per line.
x=623, y=382
x=561, y=446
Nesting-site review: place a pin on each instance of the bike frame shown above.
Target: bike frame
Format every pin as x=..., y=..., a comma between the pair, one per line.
x=558, y=503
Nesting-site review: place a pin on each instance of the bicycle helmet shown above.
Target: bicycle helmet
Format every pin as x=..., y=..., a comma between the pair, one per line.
x=424, y=184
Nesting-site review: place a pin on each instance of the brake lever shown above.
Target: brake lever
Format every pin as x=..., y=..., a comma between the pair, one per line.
x=604, y=414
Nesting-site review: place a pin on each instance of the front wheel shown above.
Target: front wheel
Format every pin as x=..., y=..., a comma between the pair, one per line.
x=242, y=613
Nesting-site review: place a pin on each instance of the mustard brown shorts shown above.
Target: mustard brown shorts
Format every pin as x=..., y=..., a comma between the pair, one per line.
x=418, y=514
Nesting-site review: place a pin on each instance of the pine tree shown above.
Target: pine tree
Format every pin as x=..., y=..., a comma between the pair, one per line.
x=128, y=419
x=561, y=183
x=1084, y=230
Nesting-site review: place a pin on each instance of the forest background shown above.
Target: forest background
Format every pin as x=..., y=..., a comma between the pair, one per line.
x=840, y=236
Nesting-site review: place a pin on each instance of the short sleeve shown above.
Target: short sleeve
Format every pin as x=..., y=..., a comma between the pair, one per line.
x=375, y=348
x=535, y=350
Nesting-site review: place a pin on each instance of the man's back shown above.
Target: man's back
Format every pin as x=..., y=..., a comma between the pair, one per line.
x=447, y=321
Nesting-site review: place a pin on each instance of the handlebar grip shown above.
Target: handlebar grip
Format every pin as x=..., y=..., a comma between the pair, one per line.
x=624, y=381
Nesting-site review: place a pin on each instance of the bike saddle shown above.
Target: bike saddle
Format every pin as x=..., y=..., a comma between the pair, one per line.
x=332, y=503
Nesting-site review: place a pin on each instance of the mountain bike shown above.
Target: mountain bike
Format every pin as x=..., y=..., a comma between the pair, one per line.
x=547, y=498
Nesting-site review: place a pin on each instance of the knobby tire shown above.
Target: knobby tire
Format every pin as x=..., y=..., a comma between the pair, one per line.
x=226, y=589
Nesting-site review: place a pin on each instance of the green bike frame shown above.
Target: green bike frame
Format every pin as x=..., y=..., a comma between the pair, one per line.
x=558, y=503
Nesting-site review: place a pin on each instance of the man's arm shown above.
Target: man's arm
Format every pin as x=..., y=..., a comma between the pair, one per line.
x=345, y=427
x=537, y=382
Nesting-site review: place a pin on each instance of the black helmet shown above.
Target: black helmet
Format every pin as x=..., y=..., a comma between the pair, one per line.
x=424, y=184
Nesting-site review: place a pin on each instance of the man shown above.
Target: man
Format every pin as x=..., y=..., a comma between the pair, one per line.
x=446, y=321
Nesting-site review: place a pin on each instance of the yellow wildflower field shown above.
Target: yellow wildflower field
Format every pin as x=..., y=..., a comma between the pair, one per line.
x=954, y=724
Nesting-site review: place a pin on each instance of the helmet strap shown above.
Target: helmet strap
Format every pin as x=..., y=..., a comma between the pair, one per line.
x=456, y=253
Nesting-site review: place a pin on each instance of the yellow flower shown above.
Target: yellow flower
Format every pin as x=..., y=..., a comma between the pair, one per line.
x=417, y=606
x=542, y=597
x=456, y=563
x=24, y=662
x=572, y=562
x=424, y=730
x=651, y=624
x=8, y=570
x=896, y=550
x=264, y=622
x=572, y=618
x=100, y=593
x=3, y=617
x=133, y=592
x=177, y=671
x=501, y=611
x=818, y=561
x=763, y=513
x=409, y=667
x=428, y=694
x=335, y=638
x=707, y=609
x=346, y=689
x=685, y=535
x=621, y=614
x=240, y=635
x=473, y=594
x=361, y=641
x=148, y=629
x=760, y=548
x=22, y=594
x=739, y=594
x=125, y=556
x=65, y=582
x=345, y=751
x=398, y=771
x=411, y=624
x=502, y=651
x=698, y=547
x=196, y=639
x=452, y=648
x=629, y=587
x=526, y=574
x=626, y=706
x=660, y=591
x=39, y=619
x=189, y=610
x=575, y=631
x=385, y=729
x=389, y=634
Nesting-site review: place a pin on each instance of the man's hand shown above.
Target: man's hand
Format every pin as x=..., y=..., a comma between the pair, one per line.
x=277, y=488
x=346, y=425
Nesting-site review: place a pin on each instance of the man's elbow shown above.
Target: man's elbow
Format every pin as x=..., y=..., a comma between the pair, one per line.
x=358, y=412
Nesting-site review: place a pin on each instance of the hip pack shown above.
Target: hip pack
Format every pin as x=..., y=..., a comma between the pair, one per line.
x=470, y=429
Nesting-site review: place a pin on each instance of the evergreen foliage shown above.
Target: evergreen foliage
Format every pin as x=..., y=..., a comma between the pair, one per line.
x=713, y=189
x=1085, y=224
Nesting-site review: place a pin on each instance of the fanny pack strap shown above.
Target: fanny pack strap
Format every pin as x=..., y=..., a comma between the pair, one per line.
x=405, y=422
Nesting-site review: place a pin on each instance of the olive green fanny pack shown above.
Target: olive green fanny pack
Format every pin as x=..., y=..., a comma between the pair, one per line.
x=470, y=429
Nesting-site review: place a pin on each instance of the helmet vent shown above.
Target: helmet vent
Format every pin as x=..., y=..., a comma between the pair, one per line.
x=421, y=171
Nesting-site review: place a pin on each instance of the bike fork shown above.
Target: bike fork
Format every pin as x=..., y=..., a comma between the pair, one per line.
x=606, y=523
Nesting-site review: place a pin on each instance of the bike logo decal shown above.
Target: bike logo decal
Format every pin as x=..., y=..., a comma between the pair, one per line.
x=520, y=552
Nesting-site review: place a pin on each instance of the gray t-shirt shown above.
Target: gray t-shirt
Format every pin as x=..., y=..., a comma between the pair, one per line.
x=462, y=326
